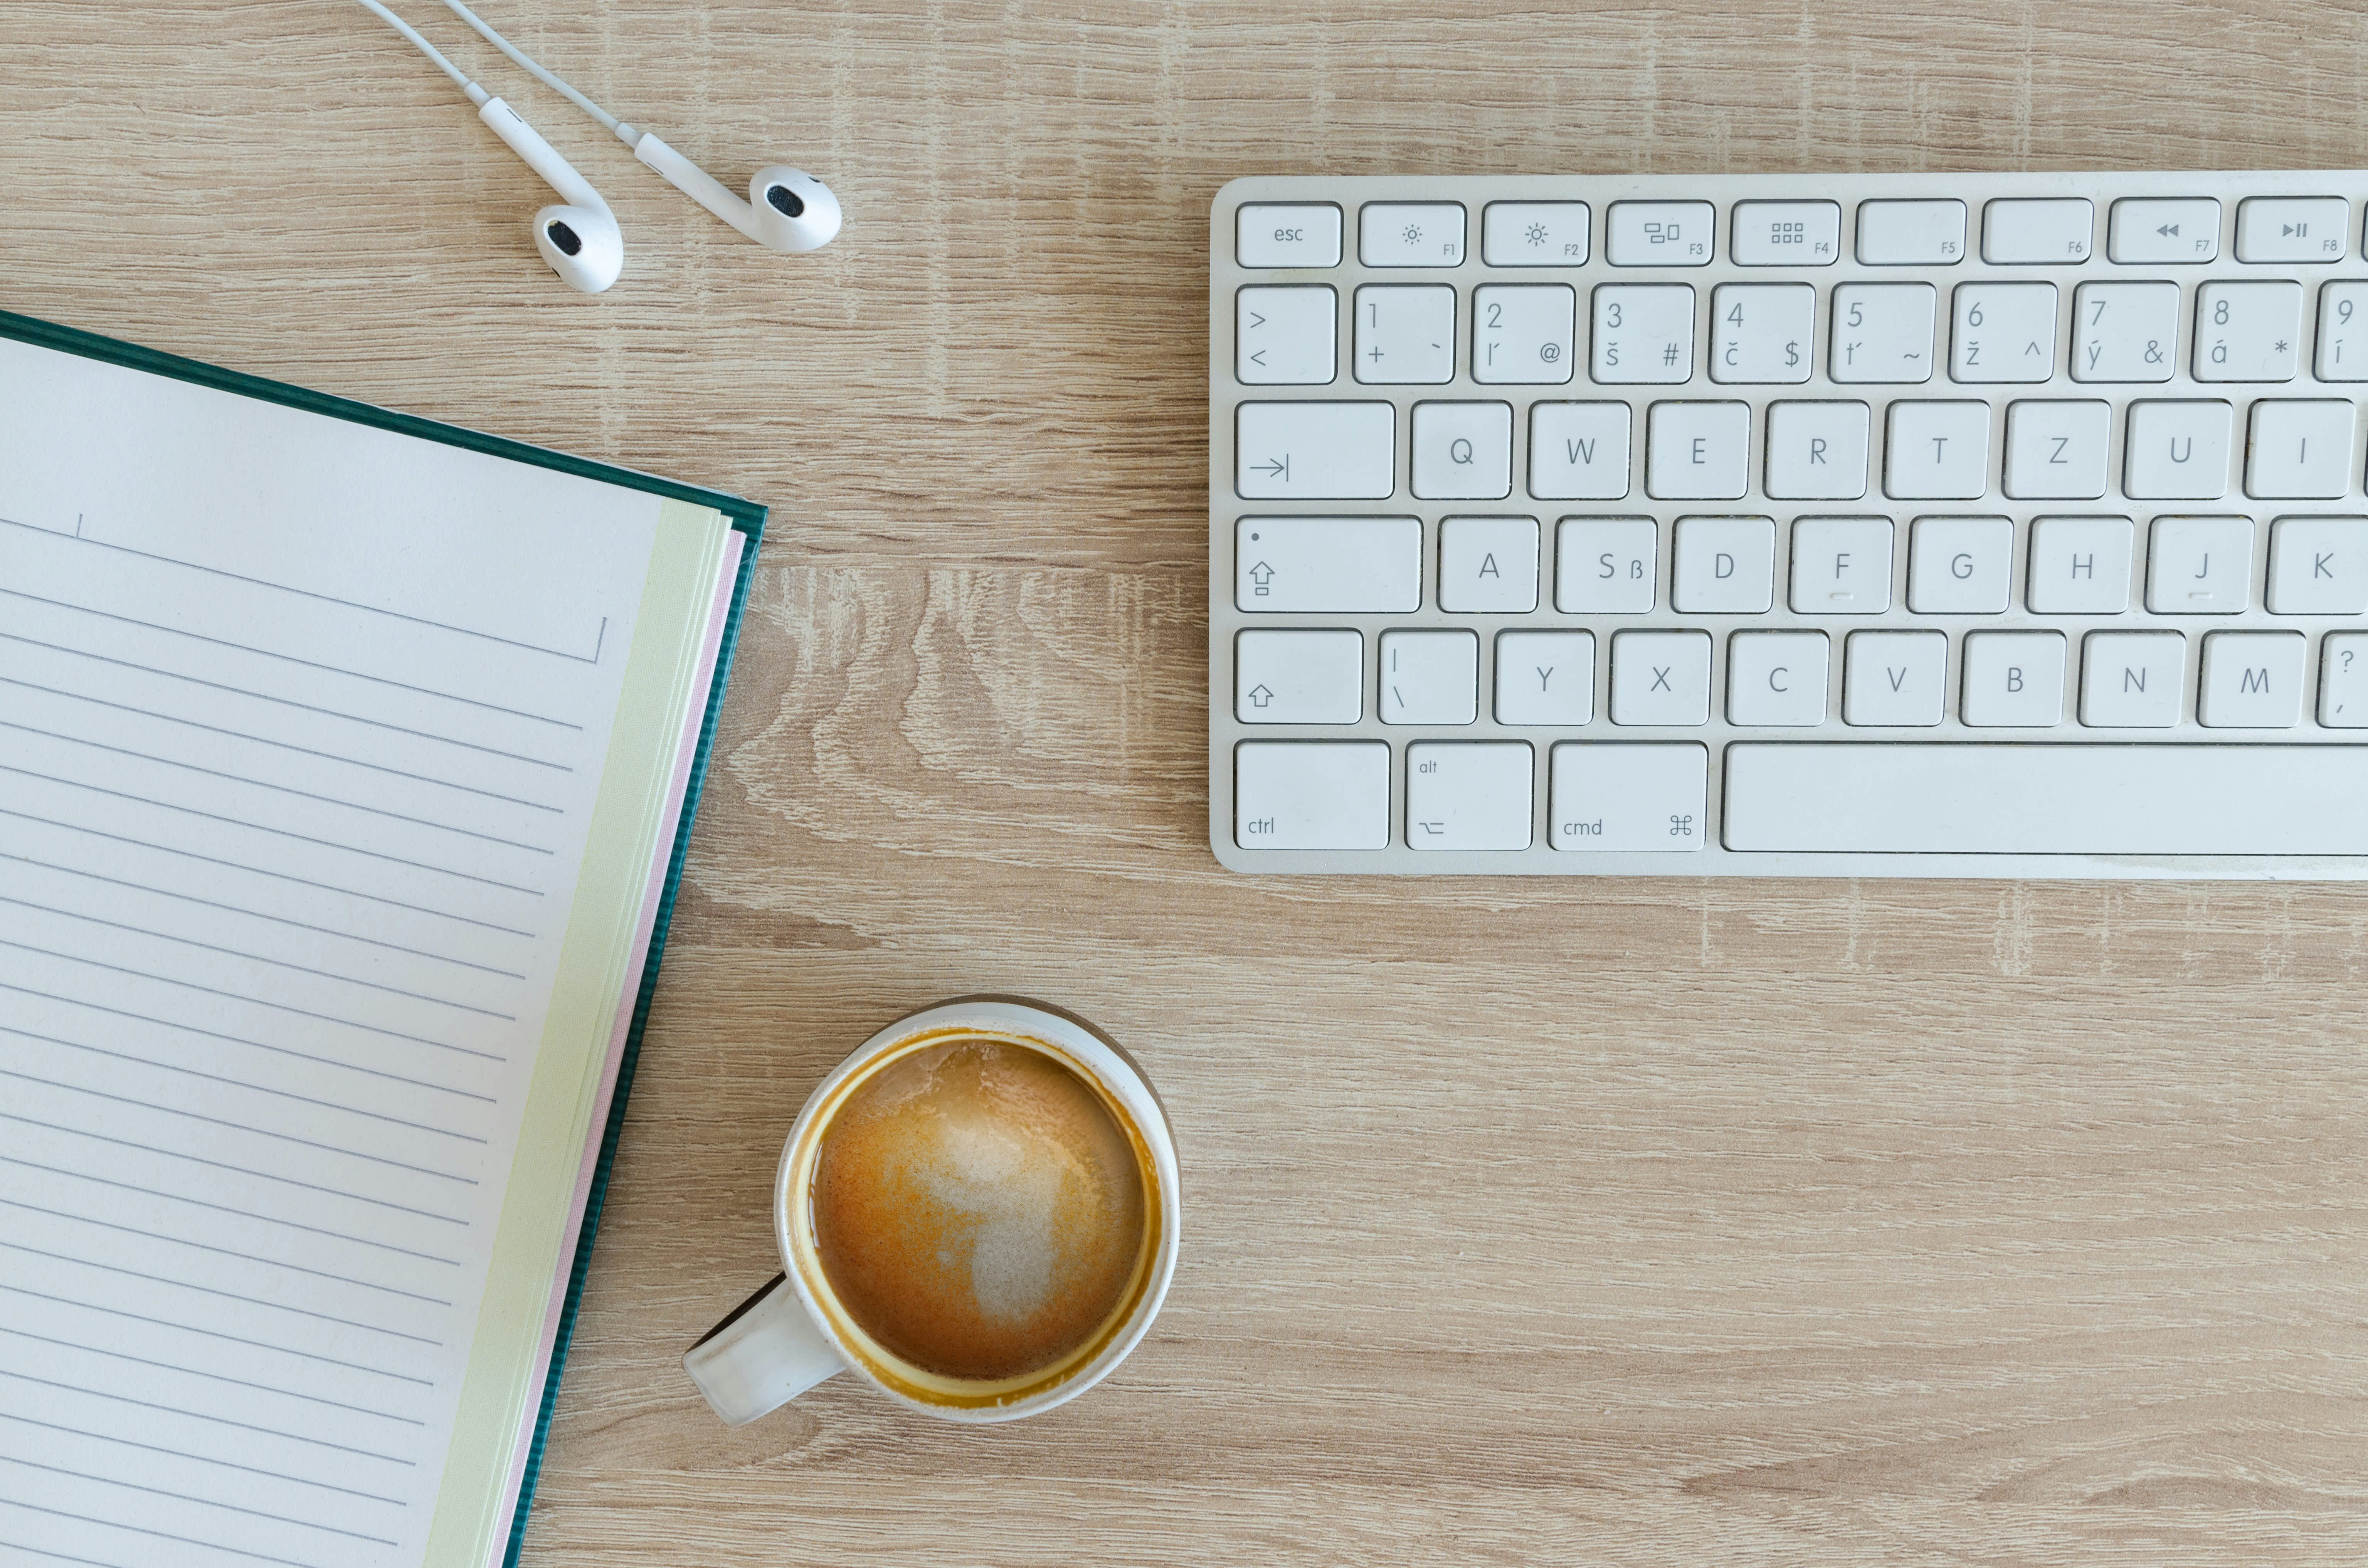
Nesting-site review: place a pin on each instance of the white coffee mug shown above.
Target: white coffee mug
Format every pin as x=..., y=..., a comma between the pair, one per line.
x=794, y=1333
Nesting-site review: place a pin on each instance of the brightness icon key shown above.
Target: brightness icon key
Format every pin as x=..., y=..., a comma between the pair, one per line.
x=1410, y=233
x=1534, y=234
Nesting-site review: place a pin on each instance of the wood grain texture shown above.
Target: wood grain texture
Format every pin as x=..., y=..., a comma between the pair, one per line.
x=1643, y=1223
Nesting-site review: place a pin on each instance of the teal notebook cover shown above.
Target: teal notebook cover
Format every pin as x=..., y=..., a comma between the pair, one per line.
x=744, y=516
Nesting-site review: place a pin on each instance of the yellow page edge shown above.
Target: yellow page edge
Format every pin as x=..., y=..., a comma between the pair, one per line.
x=660, y=668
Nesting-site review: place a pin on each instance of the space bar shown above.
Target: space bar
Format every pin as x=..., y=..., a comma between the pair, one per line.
x=1922, y=799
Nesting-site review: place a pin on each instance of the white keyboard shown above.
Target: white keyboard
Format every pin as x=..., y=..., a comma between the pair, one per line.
x=1931, y=525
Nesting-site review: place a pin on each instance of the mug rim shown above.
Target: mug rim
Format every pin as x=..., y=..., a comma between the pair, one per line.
x=1117, y=1073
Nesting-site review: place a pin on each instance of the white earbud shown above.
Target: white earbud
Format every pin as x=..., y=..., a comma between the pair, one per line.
x=580, y=238
x=787, y=209
x=577, y=235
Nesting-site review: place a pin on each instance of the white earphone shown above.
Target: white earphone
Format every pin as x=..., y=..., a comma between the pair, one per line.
x=578, y=236
x=787, y=209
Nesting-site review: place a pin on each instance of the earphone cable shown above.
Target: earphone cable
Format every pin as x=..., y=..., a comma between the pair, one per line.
x=476, y=94
x=624, y=133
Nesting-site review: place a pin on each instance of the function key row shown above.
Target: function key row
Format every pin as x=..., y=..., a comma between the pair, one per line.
x=2015, y=232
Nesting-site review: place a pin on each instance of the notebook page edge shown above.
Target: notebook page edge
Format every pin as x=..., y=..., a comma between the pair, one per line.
x=499, y=1390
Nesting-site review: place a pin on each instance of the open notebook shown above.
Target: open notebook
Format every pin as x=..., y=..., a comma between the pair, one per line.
x=346, y=765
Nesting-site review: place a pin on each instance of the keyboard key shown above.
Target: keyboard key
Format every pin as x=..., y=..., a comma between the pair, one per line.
x=1606, y=565
x=1841, y=566
x=1816, y=451
x=1533, y=233
x=1911, y=233
x=1578, y=451
x=2251, y=680
x=1287, y=235
x=2247, y=332
x=2046, y=799
x=1545, y=677
x=2177, y=451
x=2152, y=230
x=1937, y=451
x=1659, y=233
x=1284, y=337
x=1523, y=332
x=1312, y=794
x=2125, y=332
x=2301, y=449
x=1489, y=565
x=1893, y=677
x=2319, y=566
x=1660, y=677
x=1643, y=333
x=1960, y=565
x=2343, y=681
x=2048, y=232
x=1463, y=451
x=2013, y=680
x=1786, y=233
x=1723, y=565
x=1616, y=798
x=2200, y=566
x=2056, y=450
x=1697, y=451
x=2079, y=565
x=1299, y=678
x=1760, y=331
x=1404, y=335
x=1410, y=233
x=1468, y=795
x=1429, y=677
x=1776, y=677
x=2343, y=332
x=1328, y=565
x=1883, y=332
x=2292, y=228
x=1315, y=451
x=2133, y=680
x=2003, y=331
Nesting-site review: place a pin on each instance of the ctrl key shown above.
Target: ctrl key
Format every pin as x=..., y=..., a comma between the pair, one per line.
x=1614, y=796
x=1312, y=794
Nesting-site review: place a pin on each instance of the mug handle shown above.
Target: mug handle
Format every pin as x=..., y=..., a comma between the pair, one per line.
x=766, y=1352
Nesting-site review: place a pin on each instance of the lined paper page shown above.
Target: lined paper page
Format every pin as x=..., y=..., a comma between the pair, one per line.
x=300, y=724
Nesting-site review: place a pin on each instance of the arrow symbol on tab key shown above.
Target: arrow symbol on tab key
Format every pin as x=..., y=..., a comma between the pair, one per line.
x=1279, y=467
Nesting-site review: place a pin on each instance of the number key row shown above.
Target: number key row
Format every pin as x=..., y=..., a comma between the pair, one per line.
x=1765, y=334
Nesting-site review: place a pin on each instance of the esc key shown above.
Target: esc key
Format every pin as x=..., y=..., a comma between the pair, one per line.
x=1288, y=235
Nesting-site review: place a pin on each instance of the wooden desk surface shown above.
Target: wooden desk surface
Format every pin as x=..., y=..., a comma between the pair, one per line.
x=1632, y=1223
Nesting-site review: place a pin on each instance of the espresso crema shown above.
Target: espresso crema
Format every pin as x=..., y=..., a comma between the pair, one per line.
x=978, y=1209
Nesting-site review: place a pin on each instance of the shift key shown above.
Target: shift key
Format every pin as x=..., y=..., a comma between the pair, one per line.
x=1328, y=565
x=1315, y=451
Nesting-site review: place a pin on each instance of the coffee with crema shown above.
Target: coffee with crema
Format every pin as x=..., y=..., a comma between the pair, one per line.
x=979, y=1208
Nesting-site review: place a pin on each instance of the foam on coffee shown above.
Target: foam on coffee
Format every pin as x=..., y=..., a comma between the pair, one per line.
x=978, y=1209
